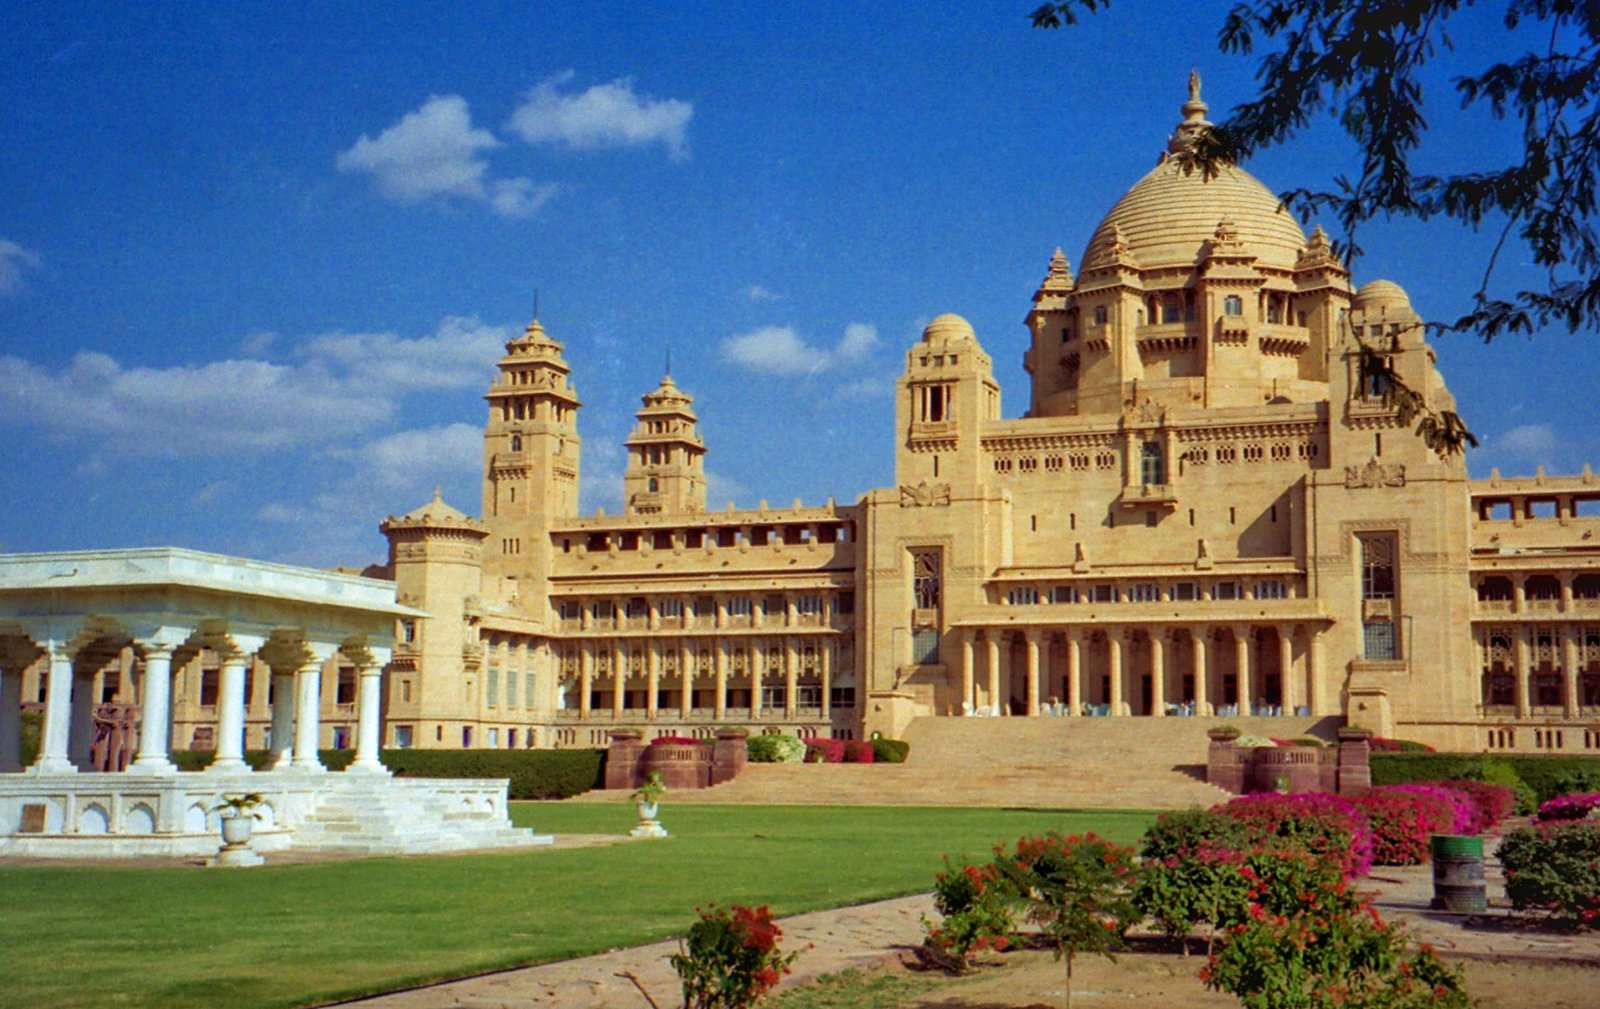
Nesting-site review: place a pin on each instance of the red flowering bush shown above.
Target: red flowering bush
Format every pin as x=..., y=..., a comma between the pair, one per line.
x=1463, y=810
x=678, y=741
x=1402, y=821
x=730, y=958
x=1492, y=803
x=1381, y=745
x=823, y=751
x=1078, y=889
x=858, y=751
x=1323, y=825
x=975, y=907
x=1196, y=887
x=1569, y=807
x=1555, y=867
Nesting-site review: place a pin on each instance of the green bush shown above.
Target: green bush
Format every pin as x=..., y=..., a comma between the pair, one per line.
x=1536, y=777
x=890, y=751
x=1578, y=780
x=775, y=749
x=1555, y=867
x=533, y=774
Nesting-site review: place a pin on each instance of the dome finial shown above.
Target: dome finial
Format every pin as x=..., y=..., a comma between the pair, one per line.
x=1194, y=118
x=1194, y=84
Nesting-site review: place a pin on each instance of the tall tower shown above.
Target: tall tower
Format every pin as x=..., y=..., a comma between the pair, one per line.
x=530, y=455
x=666, y=459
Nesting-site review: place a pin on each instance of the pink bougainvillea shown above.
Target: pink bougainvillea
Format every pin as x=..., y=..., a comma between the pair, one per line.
x=1492, y=803
x=823, y=751
x=1401, y=823
x=1569, y=807
x=1326, y=826
x=1463, y=810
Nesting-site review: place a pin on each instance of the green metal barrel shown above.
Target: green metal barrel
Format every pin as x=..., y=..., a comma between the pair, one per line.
x=1458, y=874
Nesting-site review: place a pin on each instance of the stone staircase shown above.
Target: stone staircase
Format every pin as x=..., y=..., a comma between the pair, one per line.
x=380, y=815
x=1116, y=763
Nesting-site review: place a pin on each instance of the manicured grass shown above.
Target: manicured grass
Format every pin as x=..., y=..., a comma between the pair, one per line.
x=294, y=934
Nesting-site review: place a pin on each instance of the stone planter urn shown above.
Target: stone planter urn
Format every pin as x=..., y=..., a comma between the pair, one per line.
x=237, y=830
x=646, y=800
x=238, y=822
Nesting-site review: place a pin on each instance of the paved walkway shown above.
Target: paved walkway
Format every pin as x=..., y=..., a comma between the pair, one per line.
x=871, y=933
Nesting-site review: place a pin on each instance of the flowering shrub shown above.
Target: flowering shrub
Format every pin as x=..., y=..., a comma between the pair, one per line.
x=1555, y=867
x=1078, y=889
x=678, y=741
x=1463, y=810
x=1401, y=822
x=823, y=751
x=775, y=749
x=730, y=958
x=1491, y=803
x=1344, y=957
x=1569, y=807
x=1182, y=831
x=1381, y=745
x=858, y=751
x=1325, y=826
x=1197, y=887
x=1249, y=742
x=974, y=903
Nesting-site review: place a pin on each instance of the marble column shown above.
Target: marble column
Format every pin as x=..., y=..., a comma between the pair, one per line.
x=1523, y=705
x=283, y=708
x=1202, y=643
x=369, y=723
x=992, y=639
x=687, y=660
x=791, y=677
x=755, y=656
x=585, y=677
x=1074, y=674
x=1031, y=650
x=967, y=703
x=619, y=680
x=1158, y=672
x=1114, y=657
x=652, y=677
x=230, y=714
x=719, y=661
x=308, y=715
x=155, y=709
x=10, y=720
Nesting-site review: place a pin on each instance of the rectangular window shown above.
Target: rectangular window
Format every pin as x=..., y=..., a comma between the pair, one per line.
x=1064, y=594
x=1151, y=470
x=638, y=607
x=1226, y=590
x=694, y=539
x=1271, y=589
x=1378, y=641
x=844, y=604
x=494, y=737
x=809, y=606
x=208, y=687
x=1144, y=592
x=466, y=737
x=671, y=608
x=772, y=606
x=1105, y=594
x=345, y=692
x=926, y=579
x=601, y=610
x=511, y=689
x=408, y=631
x=774, y=695
x=1184, y=592
x=705, y=608
x=842, y=697
x=661, y=541
x=727, y=537
x=1377, y=566
x=739, y=606
x=925, y=646
x=403, y=735
x=492, y=691
x=1022, y=595
x=527, y=690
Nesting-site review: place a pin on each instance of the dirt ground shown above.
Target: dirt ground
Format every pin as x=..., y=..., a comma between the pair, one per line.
x=1032, y=979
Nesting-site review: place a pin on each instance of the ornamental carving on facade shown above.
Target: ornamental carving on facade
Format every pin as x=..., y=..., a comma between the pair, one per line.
x=1375, y=474
x=924, y=494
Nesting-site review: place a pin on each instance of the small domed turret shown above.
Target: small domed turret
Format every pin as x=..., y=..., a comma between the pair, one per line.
x=1376, y=294
x=949, y=328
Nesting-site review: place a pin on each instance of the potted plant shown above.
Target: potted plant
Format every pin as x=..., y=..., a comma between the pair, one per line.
x=238, y=817
x=647, y=798
x=1223, y=734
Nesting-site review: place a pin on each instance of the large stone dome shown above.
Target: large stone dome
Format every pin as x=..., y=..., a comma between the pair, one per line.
x=1169, y=215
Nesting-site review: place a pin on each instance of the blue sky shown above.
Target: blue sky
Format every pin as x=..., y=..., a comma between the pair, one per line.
x=256, y=264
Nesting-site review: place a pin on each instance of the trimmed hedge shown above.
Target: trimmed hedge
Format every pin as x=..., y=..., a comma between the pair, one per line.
x=775, y=749
x=890, y=751
x=534, y=774
x=1545, y=775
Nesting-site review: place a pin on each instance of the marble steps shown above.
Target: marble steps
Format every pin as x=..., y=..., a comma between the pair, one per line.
x=393, y=818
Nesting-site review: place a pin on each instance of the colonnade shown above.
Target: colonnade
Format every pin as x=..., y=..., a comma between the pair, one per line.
x=1569, y=651
x=1206, y=646
x=726, y=663
x=296, y=662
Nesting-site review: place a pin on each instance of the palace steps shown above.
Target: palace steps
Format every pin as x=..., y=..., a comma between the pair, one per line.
x=1046, y=762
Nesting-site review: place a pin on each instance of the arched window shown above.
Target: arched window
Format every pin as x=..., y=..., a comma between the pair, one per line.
x=1232, y=305
x=516, y=443
x=655, y=485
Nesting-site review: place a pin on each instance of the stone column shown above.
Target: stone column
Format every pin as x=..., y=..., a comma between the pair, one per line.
x=1566, y=591
x=80, y=735
x=1313, y=669
x=1241, y=652
x=619, y=679
x=967, y=701
x=1569, y=667
x=687, y=661
x=1288, y=695
x=1158, y=672
x=1202, y=642
x=1523, y=707
x=1031, y=649
x=1074, y=674
x=719, y=661
x=369, y=724
x=791, y=677
x=652, y=679
x=1114, y=655
x=308, y=713
x=230, y=714
x=10, y=720
x=1519, y=593
x=155, y=710
x=825, y=671
x=754, y=657
x=992, y=639
x=585, y=677
x=283, y=705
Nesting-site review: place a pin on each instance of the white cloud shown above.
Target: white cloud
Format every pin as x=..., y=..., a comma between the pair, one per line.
x=13, y=258
x=436, y=152
x=756, y=292
x=869, y=387
x=605, y=115
x=418, y=460
x=1523, y=448
x=779, y=350
x=338, y=387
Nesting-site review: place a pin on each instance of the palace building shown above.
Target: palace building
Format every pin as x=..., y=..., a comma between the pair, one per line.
x=1203, y=510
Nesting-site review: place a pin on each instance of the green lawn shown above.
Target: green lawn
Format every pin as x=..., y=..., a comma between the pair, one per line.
x=295, y=934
